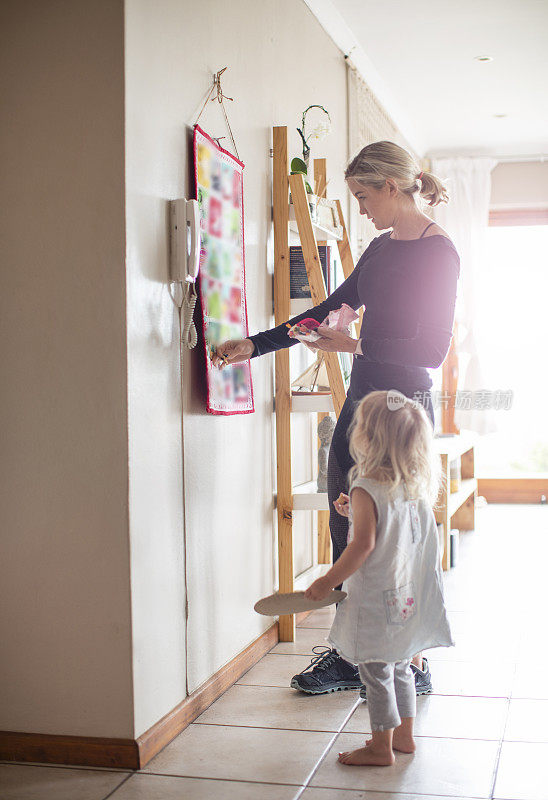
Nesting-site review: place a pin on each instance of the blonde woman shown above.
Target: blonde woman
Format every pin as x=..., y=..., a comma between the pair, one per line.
x=390, y=568
x=407, y=279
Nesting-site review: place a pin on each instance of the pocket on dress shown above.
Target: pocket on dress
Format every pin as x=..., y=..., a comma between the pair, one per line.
x=400, y=604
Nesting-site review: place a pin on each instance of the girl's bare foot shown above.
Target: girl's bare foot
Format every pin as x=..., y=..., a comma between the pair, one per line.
x=402, y=738
x=367, y=756
x=403, y=743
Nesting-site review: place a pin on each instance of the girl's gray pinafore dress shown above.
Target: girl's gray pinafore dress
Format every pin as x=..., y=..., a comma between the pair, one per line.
x=395, y=603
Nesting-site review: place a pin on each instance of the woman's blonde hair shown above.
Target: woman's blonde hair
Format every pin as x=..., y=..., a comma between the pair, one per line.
x=381, y=160
x=391, y=441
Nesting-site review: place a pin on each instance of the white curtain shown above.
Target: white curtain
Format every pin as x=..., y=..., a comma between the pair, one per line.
x=465, y=218
x=368, y=122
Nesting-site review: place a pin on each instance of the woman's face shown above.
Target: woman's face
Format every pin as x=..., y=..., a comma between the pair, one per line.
x=377, y=204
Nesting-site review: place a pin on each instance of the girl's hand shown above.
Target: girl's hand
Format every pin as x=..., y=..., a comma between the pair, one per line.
x=342, y=505
x=234, y=351
x=318, y=590
x=333, y=341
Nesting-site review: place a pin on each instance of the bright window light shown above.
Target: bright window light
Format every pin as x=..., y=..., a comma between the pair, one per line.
x=512, y=335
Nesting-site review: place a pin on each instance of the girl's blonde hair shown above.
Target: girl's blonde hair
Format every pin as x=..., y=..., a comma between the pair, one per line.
x=391, y=441
x=381, y=160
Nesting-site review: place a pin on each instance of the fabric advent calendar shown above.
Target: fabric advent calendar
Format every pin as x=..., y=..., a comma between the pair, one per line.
x=219, y=191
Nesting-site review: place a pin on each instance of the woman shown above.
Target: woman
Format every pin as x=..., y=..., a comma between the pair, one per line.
x=407, y=279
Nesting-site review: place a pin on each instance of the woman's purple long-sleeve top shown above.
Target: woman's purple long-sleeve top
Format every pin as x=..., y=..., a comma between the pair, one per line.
x=408, y=288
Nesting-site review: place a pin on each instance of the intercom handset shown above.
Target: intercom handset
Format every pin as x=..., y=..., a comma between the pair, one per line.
x=185, y=259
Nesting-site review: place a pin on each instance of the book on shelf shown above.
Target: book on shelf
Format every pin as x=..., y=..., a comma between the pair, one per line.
x=298, y=279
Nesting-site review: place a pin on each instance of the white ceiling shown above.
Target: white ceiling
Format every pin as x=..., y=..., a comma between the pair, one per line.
x=418, y=58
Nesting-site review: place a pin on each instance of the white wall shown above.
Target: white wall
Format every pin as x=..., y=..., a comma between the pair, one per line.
x=86, y=651
x=519, y=185
x=64, y=570
x=279, y=61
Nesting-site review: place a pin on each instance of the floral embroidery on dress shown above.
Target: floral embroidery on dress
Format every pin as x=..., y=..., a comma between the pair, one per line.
x=400, y=603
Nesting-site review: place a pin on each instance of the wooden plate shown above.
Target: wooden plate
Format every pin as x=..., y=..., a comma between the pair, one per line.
x=276, y=605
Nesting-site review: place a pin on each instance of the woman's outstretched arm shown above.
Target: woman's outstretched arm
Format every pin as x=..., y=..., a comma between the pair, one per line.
x=277, y=338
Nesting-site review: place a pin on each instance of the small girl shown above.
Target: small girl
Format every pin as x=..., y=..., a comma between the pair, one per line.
x=391, y=567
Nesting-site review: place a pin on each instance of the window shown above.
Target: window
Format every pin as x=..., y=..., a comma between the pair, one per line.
x=512, y=336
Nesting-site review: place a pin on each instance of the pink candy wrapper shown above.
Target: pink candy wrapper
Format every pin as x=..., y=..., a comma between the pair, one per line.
x=340, y=319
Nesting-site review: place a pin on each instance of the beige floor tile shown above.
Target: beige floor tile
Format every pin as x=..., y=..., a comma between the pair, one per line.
x=22, y=782
x=523, y=772
x=461, y=717
x=273, y=707
x=527, y=721
x=533, y=645
x=464, y=650
x=322, y=618
x=503, y=642
x=447, y=716
x=305, y=640
x=530, y=680
x=475, y=625
x=359, y=722
x=454, y=767
x=349, y=794
x=242, y=754
x=160, y=787
x=274, y=670
x=478, y=636
x=472, y=678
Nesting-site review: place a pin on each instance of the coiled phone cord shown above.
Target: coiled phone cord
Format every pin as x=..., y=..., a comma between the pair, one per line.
x=189, y=337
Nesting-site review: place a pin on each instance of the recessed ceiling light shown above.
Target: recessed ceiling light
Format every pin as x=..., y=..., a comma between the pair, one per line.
x=483, y=58
x=500, y=116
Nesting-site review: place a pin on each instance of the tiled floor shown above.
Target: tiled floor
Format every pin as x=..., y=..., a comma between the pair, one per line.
x=482, y=734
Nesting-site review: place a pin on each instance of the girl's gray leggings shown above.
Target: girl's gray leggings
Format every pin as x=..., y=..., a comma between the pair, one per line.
x=391, y=693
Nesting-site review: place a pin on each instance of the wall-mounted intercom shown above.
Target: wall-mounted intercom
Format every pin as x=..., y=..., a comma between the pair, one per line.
x=185, y=259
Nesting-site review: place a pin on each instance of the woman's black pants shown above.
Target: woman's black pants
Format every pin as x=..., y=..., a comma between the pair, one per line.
x=340, y=462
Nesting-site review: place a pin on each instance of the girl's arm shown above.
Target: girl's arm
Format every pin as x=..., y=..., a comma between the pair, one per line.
x=364, y=524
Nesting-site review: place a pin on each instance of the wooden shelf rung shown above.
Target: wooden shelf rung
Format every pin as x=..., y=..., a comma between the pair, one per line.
x=456, y=499
x=320, y=232
x=307, y=498
x=312, y=402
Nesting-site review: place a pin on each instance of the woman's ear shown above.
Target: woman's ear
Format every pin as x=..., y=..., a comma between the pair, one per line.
x=391, y=186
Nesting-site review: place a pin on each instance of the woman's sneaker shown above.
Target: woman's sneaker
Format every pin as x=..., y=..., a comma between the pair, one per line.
x=423, y=680
x=327, y=672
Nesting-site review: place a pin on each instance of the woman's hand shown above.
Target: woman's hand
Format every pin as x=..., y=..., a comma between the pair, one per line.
x=333, y=341
x=342, y=505
x=319, y=589
x=234, y=351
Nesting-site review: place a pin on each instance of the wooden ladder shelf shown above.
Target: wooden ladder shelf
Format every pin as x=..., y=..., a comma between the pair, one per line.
x=305, y=497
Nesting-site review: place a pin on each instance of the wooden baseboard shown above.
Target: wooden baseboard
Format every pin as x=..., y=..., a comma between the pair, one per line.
x=88, y=751
x=85, y=751
x=513, y=490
